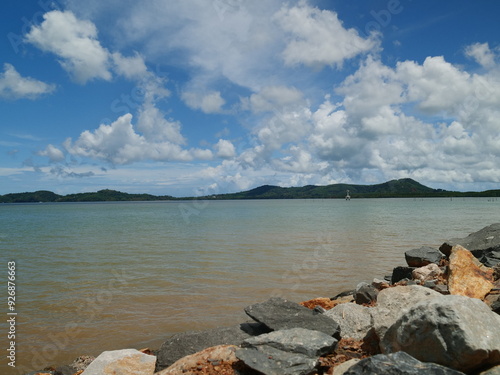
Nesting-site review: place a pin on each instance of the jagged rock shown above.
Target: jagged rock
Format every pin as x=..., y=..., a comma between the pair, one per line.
x=343, y=367
x=467, y=276
x=365, y=293
x=483, y=244
x=423, y=256
x=454, y=331
x=393, y=302
x=355, y=320
x=222, y=355
x=278, y=314
x=65, y=370
x=427, y=273
x=291, y=351
x=296, y=340
x=397, y=364
x=380, y=284
x=187, y=343
x=123, y=362
x=400, y=273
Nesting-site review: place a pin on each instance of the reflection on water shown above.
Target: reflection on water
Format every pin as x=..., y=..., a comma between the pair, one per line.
x=94, y=277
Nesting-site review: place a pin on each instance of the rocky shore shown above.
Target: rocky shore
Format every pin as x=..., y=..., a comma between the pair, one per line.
x=438, y=314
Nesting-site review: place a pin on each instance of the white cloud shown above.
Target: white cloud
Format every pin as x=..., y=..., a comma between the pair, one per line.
x=211, y=102
x=482, y=54
x=225, y=149
x=119, y=143
x=318, y=37
x=75, y=42
x=53, y=153
x=130, y=67
x=14, y=86
x=273, y=98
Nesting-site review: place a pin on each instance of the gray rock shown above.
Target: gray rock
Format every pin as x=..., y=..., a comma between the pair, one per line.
x=393, y=302
x=365, y=293
x=423, y=256
x=400, y=273
x=123, y=362
x=355, y=320
x=343, y=367
x=277, y=362
x=455, y=331
x=278, y=314
x=186, y=343
x=484, y=244
x=296, y=340
x=65, y=370
x=399, y=363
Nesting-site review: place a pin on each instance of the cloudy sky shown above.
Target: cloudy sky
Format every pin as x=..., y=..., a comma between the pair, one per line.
x=211, y=96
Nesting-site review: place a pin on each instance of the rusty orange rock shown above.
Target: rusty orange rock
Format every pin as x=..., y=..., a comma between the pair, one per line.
x=467, y=276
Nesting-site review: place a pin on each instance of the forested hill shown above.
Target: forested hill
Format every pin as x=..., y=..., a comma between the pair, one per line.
x=402, y=188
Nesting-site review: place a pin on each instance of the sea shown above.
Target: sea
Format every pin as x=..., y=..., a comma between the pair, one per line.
x=91, y=277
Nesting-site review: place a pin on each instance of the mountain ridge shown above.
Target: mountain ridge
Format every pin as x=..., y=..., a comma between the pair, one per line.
x=401, y=188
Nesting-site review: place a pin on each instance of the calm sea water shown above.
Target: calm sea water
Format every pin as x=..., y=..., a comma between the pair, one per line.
x=99, y=276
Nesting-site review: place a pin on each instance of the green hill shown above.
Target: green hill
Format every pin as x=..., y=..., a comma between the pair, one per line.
x=402, y=188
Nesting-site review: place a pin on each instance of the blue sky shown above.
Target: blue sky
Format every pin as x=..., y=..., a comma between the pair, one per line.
x=214, y=96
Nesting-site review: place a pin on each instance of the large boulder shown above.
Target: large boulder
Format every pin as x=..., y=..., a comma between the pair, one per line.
x=399, y=363
x=423, y=256
x=454, y=331
x=123, y=362
x=483, y=244
x=393, y=302
x=467, y=276
x=278, y=314
x=355, y=320
x=289, y=352
x=187, y=343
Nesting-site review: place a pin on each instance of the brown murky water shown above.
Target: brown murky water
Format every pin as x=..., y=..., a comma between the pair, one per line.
x=95, y=277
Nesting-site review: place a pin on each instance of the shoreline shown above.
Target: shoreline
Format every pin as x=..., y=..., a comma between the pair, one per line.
x=364, y=296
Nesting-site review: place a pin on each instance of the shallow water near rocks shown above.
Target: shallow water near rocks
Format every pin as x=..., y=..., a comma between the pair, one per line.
x=100, y=276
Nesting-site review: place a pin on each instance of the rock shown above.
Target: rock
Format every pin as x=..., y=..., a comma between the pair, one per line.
x=394, y=302
x=221, y=356
x=355, y=320
x=365, y=293
x=278, y=314
x=397, y=364
x=423, y=256
x=467, y=276
x=400, y=273
x=123, y=362
x=454, y=331
x=380, y=284
x=65, y=370
x=426, y=273
x=484, y=245
x=343, y=367
x=82, y=362
x=296, y=340
x=291, y=351
x=496, y=272
x=277, y=362
x=325, y=303
x=187, y=343
x=492, y=371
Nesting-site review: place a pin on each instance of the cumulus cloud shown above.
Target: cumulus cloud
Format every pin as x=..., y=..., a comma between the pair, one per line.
x=120, y=143
x=211, y=102
x=53, y=153
x=318, y=37
x=225, y=149
x=14, y=86
x=75, y=42
x=481, y=53
x=272, y=98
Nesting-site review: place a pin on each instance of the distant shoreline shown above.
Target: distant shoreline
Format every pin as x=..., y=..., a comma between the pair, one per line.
x=402, y=188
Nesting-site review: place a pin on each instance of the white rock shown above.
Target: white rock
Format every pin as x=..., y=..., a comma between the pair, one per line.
x=123, y=362
x=355, y=320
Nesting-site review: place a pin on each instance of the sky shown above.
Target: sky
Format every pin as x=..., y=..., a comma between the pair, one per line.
x=199, y=97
